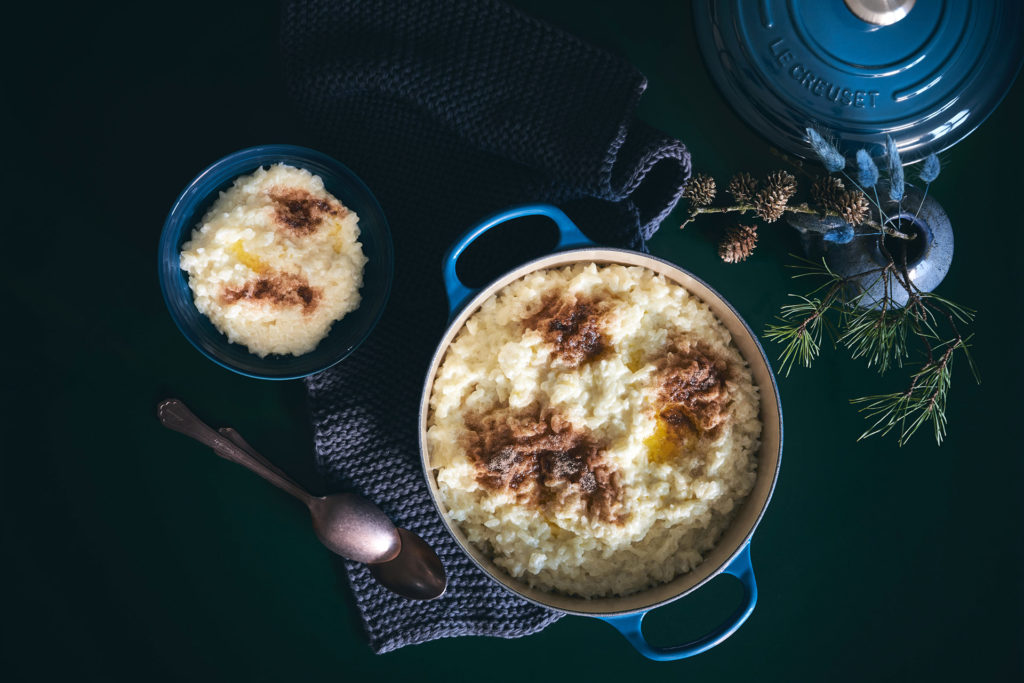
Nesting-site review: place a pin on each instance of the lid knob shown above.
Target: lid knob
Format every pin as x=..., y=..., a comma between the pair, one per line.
x=880, y=12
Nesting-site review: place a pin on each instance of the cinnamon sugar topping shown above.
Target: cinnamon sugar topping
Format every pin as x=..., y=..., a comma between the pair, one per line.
x=299, y=211
x=692, y=388
x=543, y=460
x=573, y=327
x=280, y=289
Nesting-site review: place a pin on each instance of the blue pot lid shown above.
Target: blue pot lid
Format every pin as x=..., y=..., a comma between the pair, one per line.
x=927, y=72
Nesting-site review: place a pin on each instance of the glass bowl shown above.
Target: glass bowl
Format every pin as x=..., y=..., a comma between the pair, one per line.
x=346, y=334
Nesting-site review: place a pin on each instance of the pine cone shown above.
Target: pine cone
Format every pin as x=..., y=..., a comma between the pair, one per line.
x=827, y=191
x=781, y=182
x=742, y=187
x=853, y=207
x=701, y=190
x=738, y=243
x=770, y=204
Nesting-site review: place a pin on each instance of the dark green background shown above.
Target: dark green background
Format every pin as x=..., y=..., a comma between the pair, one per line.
x=131, y=553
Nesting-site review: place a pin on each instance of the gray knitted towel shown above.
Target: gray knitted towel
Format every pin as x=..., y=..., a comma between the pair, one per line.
x=451, y=110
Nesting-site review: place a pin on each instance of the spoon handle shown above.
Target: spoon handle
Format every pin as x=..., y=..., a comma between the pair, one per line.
x=240, y=441
x=175, y=415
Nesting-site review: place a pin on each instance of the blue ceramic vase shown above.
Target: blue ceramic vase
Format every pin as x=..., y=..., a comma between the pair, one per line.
x=928, y=255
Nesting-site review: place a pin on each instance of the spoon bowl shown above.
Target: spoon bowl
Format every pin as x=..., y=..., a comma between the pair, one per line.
x=353, y=527
x=348, y=524
x=417, y=572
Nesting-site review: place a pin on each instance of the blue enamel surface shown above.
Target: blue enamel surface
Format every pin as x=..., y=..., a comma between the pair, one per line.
x=569, y=237
x=346, y=334
x=928, y=80
x=631, y=625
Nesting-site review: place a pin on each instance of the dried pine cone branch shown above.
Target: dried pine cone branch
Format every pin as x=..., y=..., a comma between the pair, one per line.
x=771, y=201
x=701, y=190
x=738, y=243
x=853, y=206
x=742, y=187
x=782, y=183
x=827, y=190
x=831, y=194
x=769, y=204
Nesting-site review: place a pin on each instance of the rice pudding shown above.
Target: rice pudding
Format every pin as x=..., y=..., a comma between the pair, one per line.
x=593, y=429
x=276, y=261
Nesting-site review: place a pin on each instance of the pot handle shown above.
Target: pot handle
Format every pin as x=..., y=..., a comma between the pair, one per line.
x=569, y=236
x=629, y=625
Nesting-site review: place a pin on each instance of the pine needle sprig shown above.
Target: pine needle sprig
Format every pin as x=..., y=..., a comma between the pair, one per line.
x=806, y=267
x=802, y=324
x=954, y=313
x=924, y=402
x=958, y=311
x=799, y=331
x=880, y=336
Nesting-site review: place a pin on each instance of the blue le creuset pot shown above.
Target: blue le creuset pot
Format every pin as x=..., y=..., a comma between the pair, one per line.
x=732, y=553
x=346, y=334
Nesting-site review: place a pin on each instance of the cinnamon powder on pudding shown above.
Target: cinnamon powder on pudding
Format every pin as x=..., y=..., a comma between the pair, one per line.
x=692, y=388
x=299, y=211
x=280, y=289
x=542, y=459
x=573, y=327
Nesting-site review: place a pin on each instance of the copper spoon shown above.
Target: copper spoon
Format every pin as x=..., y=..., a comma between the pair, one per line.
x=416, y=573
x=346, y=523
